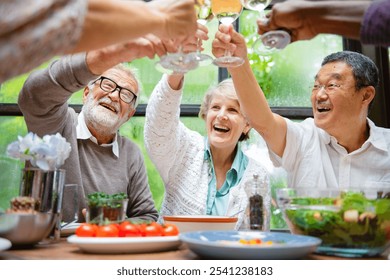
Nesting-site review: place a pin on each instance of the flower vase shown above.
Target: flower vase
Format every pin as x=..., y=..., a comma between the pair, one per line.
x=46, y=187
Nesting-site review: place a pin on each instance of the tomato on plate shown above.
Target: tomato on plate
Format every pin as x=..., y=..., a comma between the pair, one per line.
x=127, y=229
x=151, y=229
x=86, y=230
x=109, y=230
x=170, y=230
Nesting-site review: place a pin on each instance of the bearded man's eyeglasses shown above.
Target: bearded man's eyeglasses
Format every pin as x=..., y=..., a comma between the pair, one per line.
x=109, y=86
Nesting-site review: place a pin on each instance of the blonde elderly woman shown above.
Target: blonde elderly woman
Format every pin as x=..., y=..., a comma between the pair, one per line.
x=202, y=175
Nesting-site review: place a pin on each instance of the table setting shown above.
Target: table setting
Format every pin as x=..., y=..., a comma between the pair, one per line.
x=350, y=223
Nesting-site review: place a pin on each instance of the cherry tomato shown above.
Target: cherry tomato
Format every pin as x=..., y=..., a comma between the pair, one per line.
x=170, y=230
x=86, y=230
x=127, y=229
x=109, y=230
x=152, y=229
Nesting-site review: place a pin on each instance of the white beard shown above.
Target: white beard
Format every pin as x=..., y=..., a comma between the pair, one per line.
x=101, y=119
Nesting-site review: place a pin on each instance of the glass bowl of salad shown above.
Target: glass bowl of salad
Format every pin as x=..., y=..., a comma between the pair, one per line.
x=350, y=222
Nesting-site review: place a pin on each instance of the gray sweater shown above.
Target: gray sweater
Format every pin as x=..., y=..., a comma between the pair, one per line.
x=43, y=101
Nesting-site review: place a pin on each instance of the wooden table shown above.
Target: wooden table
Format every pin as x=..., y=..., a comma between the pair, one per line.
x=63, y=250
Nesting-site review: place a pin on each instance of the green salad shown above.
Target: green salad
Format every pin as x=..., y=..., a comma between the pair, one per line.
x=348, y=221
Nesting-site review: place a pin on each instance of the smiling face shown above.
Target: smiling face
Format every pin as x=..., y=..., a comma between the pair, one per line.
x=225, y=122
x=106, y=112
x=337, y=104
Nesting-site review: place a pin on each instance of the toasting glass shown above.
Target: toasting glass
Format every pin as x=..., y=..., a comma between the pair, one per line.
x=227, y=11
x=271, y=41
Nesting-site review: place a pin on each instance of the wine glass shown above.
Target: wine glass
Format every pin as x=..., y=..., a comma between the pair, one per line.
x=227, y=11
x=204, y=14
x=271, y=41
x=177, y=62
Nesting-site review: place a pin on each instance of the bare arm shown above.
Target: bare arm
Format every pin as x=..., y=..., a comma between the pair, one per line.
x=103, y=59
x=306, y=19
x=271, y=126
x=109, y=22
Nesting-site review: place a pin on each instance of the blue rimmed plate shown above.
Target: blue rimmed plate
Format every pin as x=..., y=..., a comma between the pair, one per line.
x=225, y=245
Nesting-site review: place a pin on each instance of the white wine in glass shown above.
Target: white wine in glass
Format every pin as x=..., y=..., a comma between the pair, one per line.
x=227, y=11
x=203, y=11
x=271, y=41
x=204, y=14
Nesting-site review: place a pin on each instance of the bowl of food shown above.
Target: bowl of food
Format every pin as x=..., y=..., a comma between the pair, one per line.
x=26, y=229
x=350, y=222
x=23, y=225
x=201, y=222
x=105, y=208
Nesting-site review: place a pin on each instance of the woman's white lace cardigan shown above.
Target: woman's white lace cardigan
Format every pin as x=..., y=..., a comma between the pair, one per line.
x=178, y=154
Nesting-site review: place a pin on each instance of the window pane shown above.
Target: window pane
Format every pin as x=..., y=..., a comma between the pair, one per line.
x=10, y=168
x=286, y=76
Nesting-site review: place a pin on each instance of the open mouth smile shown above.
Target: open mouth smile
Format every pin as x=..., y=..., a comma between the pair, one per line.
x=109, y=107
x=221, y=128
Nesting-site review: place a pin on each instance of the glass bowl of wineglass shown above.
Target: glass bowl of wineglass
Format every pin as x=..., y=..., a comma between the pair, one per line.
x=204, y=14
x=227, y=11
x=179, y=62
x=271, y=41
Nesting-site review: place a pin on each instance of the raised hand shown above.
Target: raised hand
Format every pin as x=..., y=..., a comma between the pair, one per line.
x=190, y=44
x=226, y=38
x=179, y=18
x=289, y=16
x=148, y=46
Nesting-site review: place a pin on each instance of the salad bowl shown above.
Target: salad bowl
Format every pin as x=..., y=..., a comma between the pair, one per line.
x=350, y=222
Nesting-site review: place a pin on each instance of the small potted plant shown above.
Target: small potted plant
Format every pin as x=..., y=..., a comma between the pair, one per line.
x=103, y=208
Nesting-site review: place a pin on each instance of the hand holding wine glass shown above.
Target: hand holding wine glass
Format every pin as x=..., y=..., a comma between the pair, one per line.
x=272, y=41
x=225, y=38
x=227, y=11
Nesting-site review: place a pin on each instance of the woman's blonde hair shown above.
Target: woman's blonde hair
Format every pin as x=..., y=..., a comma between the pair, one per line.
x=225, y=88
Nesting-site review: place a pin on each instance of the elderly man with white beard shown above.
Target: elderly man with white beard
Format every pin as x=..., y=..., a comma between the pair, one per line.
x=101, y=160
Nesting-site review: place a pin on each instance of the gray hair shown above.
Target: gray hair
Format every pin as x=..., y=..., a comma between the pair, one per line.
x=225, y=88
x=364, y=69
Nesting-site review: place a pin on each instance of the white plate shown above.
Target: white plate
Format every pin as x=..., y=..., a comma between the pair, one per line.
x=69, y=229
x=5, y=244
x=224, y=245
x=122, y=245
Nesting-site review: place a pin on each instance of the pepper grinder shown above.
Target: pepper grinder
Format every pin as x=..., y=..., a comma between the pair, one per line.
x=256, y=208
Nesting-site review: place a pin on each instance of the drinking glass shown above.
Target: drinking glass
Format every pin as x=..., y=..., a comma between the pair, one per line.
x=177, y=62
x=227, y=11
x=204, y=14
x=271, y=41
x=70, y=204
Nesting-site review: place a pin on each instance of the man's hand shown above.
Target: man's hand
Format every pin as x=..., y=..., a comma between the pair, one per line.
x=289, y=16
x=179, y=18
x=103, y=59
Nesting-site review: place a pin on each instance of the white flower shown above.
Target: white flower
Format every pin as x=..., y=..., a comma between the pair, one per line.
x=48, y=153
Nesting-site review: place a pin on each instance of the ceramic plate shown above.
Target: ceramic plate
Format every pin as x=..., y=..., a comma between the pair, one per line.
x=202, y=222
x=225, y=245
x=5, y=244
x=69, y=229
x=122, y=245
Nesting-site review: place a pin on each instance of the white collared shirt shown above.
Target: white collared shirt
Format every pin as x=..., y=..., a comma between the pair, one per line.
x=313, y=158
x=84, y=133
